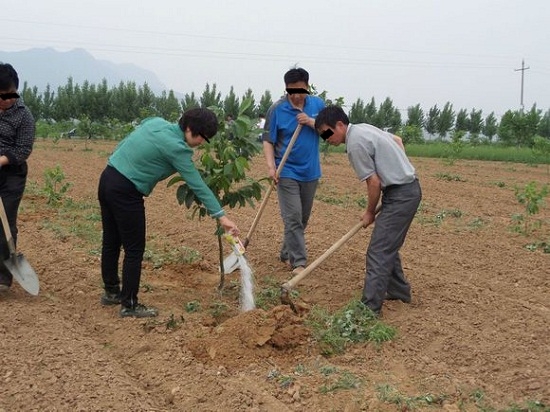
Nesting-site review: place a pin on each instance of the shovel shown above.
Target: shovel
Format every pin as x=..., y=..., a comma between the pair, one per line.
x=16, y=264
x=231, y=262
x=287, y=287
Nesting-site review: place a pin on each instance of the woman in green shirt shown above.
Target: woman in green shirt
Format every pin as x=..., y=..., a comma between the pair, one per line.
x=154, y=151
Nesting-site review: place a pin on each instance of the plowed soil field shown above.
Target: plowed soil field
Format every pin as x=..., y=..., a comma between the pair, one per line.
x=476, y=335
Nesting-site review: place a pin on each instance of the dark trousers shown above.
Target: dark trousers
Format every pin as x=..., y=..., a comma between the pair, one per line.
x=384, y=273
x=123, y=220
x=12, y=185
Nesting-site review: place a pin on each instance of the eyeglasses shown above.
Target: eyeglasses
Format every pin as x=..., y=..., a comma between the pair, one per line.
x=204, y=137
x=296, y=90
x=326, y=134
x=7, y=96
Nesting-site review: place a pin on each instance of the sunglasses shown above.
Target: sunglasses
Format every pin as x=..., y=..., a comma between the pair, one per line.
x=7, y=96
x=296, y=90
x=326, y=134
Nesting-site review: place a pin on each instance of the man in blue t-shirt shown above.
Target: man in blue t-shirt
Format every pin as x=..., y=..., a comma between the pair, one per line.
x=297, y=181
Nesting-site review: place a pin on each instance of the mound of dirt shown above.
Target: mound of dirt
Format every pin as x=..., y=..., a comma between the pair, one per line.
x=251, y=335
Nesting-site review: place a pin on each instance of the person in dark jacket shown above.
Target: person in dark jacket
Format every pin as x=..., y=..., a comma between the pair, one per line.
x=17, y=131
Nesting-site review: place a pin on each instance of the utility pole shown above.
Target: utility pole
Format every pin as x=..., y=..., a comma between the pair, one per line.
x=523, y=68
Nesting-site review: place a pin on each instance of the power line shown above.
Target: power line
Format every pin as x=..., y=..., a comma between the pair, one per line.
x=263, y=43
x=262, y=56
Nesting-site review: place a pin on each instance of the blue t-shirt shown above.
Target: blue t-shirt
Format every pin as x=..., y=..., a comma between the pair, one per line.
x=303, y=163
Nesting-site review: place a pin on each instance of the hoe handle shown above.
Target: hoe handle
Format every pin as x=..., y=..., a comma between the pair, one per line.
x=268, y=193
x=294, y=281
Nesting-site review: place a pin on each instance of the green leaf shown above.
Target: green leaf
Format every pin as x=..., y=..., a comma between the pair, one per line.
x=189, y=198
x=174, y=180
x=228, y=169
x=245, y=104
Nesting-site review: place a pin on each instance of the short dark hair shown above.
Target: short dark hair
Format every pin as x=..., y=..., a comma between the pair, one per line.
x=295, y=75
x=8, y=77
x=330, y=115
x=200, y=121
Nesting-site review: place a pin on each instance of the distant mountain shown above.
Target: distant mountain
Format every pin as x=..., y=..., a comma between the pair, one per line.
x=40, y=67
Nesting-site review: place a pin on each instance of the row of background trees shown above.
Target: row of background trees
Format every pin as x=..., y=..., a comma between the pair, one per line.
x=101, y=110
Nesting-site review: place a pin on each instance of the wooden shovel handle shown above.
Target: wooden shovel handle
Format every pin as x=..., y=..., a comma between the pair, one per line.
x=292, y=282
x=6, y=226
x=268, y=193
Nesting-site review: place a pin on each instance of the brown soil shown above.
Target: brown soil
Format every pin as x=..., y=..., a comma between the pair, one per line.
x=477, y=332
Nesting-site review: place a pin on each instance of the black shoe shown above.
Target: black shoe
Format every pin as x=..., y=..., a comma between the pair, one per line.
x=138, y=311
x=6, y=280
x=108, y=299
x=371, y=313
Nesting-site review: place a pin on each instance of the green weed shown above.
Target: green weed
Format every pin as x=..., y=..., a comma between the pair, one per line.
x=449, y=177
x=530, y=406
x=328, y=370
x=362, y=202
x=170, y=255
x=55, y=186
x=477, y=223
x=543, y=246
x=440, y=216
x=284, y=381
x=193, y=306
x=172, y=323
x=354, y=323
x=218, y=309
x=269, y=295
x=80, y=220
x=301, y=370
x=532, y=199
x=346, y=380
x=388, y=394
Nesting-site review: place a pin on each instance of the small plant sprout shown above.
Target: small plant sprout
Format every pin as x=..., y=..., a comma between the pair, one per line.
x=55, y=186
x=192, y=306
x=173, y=323
x=532, y=199
x=223, y=166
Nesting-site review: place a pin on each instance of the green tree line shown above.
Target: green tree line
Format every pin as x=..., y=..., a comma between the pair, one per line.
x=99, y=106
x=128, y=102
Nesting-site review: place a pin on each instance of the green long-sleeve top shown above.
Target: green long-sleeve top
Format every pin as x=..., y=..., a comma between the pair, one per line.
x=156, y=150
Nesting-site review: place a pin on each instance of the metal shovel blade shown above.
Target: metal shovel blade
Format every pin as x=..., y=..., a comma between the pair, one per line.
x=231, y=263
x=23, y=273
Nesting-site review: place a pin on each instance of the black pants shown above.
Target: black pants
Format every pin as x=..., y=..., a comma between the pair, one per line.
x=12, y=185
x=123, y=220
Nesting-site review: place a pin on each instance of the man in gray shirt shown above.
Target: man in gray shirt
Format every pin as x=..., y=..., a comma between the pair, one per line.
x=379, y=159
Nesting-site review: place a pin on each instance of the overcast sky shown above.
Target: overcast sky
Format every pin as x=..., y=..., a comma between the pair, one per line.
x=429, y=52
